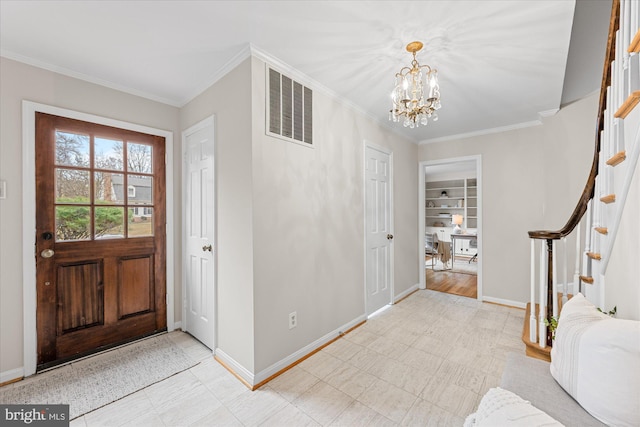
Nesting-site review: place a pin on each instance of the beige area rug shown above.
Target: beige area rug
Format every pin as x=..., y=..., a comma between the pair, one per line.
x=91, y=383
x=462, y=265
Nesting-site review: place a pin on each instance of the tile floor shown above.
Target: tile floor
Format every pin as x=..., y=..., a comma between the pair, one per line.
x=425, y=361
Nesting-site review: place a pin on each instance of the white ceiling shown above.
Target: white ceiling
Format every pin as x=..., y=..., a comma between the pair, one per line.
x=500, y=63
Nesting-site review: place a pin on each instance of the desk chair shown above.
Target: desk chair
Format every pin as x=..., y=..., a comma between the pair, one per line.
x=431, y=247
x=474, y=244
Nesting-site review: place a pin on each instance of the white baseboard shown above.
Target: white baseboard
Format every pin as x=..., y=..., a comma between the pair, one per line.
x=405, y=293
x=12, y=374
x=176, y=326
x=291, y=359
x=510, y=303
x=237, y=368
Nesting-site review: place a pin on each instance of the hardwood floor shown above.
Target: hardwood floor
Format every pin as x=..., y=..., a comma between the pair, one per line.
x=462, y=284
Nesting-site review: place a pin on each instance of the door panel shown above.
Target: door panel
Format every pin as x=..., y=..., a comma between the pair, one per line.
x=199, y=235
x=80, y=296
x=100, y=237
x=379, y=233
x=135, y=294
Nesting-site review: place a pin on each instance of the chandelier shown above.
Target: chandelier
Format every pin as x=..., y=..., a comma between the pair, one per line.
x=408, y=96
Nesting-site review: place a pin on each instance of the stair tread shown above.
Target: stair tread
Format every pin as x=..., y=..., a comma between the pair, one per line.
x=634, y=46
x=617, y=158
x=533, y=349
x=587, y=279
x=610, y=198
x=628, y=105
x=602, y=230
x=594, y=255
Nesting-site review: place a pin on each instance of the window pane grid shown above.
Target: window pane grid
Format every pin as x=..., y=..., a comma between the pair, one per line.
x=93, y=195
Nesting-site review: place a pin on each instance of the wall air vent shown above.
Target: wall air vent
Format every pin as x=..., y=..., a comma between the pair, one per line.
x=289, y=109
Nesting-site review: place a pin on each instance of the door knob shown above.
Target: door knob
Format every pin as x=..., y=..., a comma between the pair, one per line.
x=47, y=253
x=207, y=248
x=390, y=236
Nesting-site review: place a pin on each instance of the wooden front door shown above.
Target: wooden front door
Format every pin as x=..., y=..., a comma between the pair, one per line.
x=100, y=237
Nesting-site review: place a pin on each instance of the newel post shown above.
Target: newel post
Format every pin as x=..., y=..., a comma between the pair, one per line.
x=550, y=293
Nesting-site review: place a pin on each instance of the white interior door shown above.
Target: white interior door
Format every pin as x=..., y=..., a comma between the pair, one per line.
x=199, y=258
x=378, y=223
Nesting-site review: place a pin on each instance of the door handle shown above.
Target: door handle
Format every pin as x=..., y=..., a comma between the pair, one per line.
x=389, y=236
x=47, y=253
x=207, y=248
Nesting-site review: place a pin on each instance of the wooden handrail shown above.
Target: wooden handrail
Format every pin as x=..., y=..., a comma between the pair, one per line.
x=589, y=188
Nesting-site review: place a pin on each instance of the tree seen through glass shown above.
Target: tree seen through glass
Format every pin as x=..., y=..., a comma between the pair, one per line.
x=75, y=203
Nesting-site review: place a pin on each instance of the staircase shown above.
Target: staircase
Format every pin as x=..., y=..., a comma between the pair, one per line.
x=585, y=243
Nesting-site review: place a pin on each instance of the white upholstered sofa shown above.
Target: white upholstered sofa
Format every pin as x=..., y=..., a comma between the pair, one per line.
x=593, y=379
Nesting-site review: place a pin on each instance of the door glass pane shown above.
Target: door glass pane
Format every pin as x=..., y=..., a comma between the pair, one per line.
x=109, y=188
x=108, y=153
x=109, y=222
x=72, y=186
x=140, y=222
x=140, y=190
x=72, y=149
x=73, y=223
x=139, y=157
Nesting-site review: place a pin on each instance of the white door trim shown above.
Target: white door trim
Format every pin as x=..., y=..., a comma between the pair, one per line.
x=387, y=151
x=30, y=344
x=421, y=213
x=209, y=121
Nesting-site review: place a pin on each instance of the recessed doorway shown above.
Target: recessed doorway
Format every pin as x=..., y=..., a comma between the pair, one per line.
x=451, y=226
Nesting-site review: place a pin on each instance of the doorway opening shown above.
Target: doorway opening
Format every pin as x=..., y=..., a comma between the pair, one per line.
x=451, y=226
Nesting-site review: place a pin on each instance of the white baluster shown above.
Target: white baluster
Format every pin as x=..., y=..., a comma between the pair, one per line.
x=606, y=131
x=565, y=283
x=542, y=313
x=587, y=239
x=619, y=123
x=620, y=89
x=532, y=313
x=634, y=18
x=576, y=273
x=625, y=25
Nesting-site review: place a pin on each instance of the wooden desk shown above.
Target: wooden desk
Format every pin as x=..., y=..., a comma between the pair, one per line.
x=455, y=237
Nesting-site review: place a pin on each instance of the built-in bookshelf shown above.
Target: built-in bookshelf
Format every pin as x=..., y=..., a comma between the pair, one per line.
x=446, y=198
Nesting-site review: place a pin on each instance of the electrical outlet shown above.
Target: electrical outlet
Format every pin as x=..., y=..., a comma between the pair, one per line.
x=293, y=320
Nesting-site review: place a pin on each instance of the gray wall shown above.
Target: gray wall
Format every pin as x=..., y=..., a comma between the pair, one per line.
x=532, y=179
x=230, y=99
x=309, y=223
x=20, y=82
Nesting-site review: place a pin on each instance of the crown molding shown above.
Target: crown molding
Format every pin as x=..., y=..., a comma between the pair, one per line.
x=236, y=60
x=548, y=113
x=85, y=77
x=483, y=132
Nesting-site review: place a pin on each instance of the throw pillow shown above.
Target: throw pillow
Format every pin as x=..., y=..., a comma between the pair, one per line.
x=500, y=407
x=596, y=359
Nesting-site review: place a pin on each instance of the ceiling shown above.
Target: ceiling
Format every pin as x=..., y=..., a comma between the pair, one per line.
x=501, y=64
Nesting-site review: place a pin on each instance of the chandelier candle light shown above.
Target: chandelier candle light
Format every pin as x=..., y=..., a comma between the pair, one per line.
x=408, y=96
